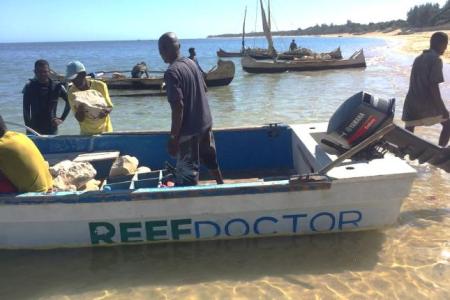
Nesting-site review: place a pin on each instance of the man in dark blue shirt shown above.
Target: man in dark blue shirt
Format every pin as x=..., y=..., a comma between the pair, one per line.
x=191, y=138
x=40, y=101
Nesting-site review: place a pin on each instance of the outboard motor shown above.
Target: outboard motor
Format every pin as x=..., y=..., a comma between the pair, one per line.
x=361, y=116
x=356, y=119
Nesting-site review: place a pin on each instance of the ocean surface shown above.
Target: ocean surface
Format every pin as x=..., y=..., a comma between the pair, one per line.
x=410, y=260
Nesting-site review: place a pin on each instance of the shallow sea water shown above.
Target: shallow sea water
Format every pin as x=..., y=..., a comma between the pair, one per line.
x=410, y=260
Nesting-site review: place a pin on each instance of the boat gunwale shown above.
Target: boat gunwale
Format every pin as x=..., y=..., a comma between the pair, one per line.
x=166, y=132
x=148, y=194
x=221, y=67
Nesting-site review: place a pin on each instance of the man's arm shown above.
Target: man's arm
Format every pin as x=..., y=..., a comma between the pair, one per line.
x=177, y=119
x=27, y=106
x=63, y=95
x=437, y=77
x=103, y=89
x=175, y=98
x=436, y=96
x=78, y=110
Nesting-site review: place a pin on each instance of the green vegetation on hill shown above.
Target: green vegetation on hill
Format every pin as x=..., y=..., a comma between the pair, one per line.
x=420, y=16
x=443, y=16
x=429, y=14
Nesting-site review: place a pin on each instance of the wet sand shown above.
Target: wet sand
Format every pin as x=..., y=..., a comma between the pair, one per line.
x=413, y=43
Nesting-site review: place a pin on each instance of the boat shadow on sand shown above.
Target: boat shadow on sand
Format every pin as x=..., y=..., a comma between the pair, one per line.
x=76, y=271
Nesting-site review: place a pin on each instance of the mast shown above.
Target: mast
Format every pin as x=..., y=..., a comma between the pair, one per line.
x=266, y=28
x=243, y=31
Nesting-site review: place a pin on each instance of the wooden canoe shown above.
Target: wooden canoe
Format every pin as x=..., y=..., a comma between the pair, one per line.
x=258, y=54
x=221, y=75
x=223, y=53
x=250, y=65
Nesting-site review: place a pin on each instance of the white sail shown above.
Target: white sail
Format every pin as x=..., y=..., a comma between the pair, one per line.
x=266, y=28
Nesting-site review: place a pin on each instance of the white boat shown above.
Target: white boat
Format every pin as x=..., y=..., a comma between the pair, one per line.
x=280, y=180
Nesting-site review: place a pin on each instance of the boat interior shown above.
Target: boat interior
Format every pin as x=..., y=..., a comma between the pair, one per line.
x=271, y=153
x=260, y=157
x=257, y=154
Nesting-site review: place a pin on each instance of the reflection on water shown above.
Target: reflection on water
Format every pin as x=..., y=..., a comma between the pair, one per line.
x=410, y=260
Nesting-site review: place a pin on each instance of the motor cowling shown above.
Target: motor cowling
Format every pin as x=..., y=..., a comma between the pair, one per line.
x=358, y=118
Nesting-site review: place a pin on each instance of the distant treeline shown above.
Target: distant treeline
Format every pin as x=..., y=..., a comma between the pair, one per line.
x=420, y=16
x=429, y=15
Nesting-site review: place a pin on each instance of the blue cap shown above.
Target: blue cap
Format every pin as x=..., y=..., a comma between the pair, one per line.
x=73, y=68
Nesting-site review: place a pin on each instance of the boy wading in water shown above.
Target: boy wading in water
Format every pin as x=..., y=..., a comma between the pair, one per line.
x=423, y=104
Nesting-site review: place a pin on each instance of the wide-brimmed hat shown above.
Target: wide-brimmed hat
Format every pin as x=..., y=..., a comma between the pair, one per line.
x=73, y=68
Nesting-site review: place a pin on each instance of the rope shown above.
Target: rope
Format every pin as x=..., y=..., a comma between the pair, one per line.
x=23, y=126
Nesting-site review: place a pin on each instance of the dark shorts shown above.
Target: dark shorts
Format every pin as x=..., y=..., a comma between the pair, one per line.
x=192, y=151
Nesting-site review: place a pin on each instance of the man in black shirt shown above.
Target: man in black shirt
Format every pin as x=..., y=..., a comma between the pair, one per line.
x=140, y=70
x=293, y=46
x=40, y=101
x=424, y=105
x=193, y=57
x=191, y=138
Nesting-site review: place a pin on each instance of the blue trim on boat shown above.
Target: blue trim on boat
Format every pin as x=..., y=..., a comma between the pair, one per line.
x=252, y=188
x=258, y=150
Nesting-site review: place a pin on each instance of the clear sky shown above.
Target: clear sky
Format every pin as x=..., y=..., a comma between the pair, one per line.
x=86, y=20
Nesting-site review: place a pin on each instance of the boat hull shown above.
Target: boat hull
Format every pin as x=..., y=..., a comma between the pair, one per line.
x=258, y=54
x=252, y=66
x=222, y=75
x=223, y=53
x=130, y=220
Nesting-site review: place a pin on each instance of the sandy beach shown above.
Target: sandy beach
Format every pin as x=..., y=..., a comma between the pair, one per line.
x=413, y=43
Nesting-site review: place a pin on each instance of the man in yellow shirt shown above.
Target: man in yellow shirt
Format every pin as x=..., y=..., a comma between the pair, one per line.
x=76, y=72
x=21, y=163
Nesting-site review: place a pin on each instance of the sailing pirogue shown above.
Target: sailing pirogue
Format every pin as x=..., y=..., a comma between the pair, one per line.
x=250, y=65
x=280, y=180
x=222, y=75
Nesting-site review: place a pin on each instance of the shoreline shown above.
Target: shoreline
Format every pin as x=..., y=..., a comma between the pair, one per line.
x=412, y=44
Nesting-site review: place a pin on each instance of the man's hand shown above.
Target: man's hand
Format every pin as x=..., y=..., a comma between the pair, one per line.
x=57, y=121
x=105, y=112
x=173, y=146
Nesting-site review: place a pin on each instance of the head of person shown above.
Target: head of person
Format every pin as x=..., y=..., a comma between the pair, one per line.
x=42, y=70
x=3, y=127
x=192, y=52
x=169, y=47
x=439, y=42
x=293, y=40
x=76, y=72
